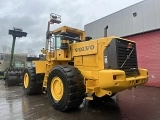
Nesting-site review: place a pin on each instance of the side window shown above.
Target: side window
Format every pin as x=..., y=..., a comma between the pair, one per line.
x=57, y=43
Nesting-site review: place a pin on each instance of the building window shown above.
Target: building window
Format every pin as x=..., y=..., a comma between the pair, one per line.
x=1, y=57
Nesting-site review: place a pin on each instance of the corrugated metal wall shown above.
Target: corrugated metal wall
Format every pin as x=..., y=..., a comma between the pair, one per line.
x=124, y=23
x=148, y=49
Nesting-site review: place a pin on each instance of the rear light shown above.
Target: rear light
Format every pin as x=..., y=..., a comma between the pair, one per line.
x=114, y=77
x=130, y=45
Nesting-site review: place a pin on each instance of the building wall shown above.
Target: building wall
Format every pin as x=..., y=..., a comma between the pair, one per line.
x=124, y=23
x=148, y=47
x=4, y=61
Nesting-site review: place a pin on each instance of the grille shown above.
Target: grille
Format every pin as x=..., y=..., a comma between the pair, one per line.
x=127, y=58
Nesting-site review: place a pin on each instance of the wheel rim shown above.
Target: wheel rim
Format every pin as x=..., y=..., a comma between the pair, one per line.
x=57, y=88
x=26, y=80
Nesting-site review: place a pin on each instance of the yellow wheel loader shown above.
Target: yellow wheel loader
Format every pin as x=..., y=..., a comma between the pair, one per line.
x=77, y=67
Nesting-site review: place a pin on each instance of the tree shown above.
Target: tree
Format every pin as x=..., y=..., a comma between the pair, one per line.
x=19, y=50
x=31, y=52
x=5, y=48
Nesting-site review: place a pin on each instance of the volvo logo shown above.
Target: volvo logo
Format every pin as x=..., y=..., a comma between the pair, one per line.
x=85, y=48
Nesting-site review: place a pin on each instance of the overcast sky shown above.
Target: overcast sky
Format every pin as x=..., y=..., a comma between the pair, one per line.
x=32, y=16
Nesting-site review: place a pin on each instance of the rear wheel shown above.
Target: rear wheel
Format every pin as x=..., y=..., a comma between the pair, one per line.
x=30, y=84
x=65, y=88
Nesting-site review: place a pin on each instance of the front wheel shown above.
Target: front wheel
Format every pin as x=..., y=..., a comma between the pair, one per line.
x=65, y=88
x=30, y=84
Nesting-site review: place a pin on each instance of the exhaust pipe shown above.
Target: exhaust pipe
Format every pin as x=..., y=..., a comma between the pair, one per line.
x=105, y=31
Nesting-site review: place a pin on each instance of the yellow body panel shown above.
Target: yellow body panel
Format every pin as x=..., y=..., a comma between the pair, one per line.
x=78, y=60
x=102, y=83
x=62, y=55
x=40, y=66
x=90, y=60
x=81, y=48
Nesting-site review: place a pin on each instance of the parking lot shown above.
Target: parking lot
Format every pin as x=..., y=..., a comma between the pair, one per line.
x=141, y=103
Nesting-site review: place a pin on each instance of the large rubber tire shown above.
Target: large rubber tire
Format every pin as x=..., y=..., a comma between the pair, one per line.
x=71, y=90
x=11, y=81
x=11, y=78
x=30, y=84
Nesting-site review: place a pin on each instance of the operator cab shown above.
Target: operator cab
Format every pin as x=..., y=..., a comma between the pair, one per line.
x=64, y=36
x=71, y=32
